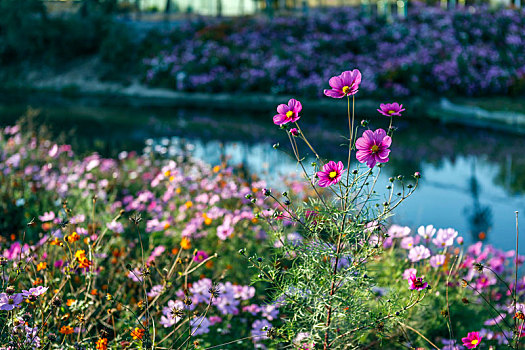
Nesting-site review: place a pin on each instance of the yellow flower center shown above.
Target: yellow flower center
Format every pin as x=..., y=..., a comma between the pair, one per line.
x=375, y=148
x=332, y=174
x=346, y=89
x=289, y=114
x=391, y=112
x=474, y=342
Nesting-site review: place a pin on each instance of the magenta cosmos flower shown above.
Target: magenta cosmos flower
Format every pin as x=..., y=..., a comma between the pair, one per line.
x=331, y=173
x=288, y=113
x=372, y=147
x=346, y=84
x=391, y=109
x=416, y=283
x=472, y=340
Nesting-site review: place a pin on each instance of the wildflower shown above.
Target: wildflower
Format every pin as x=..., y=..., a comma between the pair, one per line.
x=66, y=330
x=102, y=344
x=72, y=238
x=41, y=266
x=34, y=291
x=200, y=256
x=57, y=242
x=84, y=262
x=185, y=243
x=391, y=109
x=48, y=216
x=331, y=173
x=419, y=252
x=294, y=132
x=288, y=113
x=372, y=147
x=472, y=340
x=427, y=232
x=409, y=272
x=445, y=237
x=416, y=283
x=9, y=302
x=137, y=333
x=346, y=84
x=80, y=254
x=437, y=261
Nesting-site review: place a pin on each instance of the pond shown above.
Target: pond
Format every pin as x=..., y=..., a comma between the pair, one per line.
x=473, y=179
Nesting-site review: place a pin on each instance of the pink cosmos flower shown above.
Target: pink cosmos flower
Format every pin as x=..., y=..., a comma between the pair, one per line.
x=427, y=232
x=391, y=109
x=472, y=340
x=419, y=252
x=34, y=291
x=331, y=173
x=409, y=272
x=372, y=147
x=48, y=216
x=346, y=84
x=416, y=283
x=200, y=256
x=288, y=113
x=437, y=261
x=445, y=237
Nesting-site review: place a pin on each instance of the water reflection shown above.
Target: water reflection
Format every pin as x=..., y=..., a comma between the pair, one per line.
x=473, y=180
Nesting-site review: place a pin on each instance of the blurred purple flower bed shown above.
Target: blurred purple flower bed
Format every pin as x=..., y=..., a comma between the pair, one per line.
x=467, y=52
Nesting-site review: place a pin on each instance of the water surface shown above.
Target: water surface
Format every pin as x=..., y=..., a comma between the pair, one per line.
x=473, y=179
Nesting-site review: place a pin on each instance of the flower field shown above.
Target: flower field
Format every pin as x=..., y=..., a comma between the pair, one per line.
x=465, y=52
x=149, y=252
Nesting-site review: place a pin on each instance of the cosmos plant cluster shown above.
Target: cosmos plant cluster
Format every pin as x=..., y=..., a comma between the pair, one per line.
x=474, y=51
x=145, y=251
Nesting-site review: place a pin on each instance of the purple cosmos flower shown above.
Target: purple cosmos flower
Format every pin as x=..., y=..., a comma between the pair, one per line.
x=170, y=313
x=288, y=113
x=472, y=340
x=331, y=173
x=372, y=147
x=419, y=252
x=416, y=283
x=391, y=109
x=34, y=291
x=9, y=302
x=346, y=84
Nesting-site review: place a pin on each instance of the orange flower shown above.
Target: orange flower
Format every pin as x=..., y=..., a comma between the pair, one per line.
x=41, y=266
x=207, y=219
x=37, y=282
x=102, y=344
x=56, y=241
x=80, y=254
x=185, y=243
x=94, y=292
x=70, y=302
x=189, y=204
x=66, y=330
x=84, y=262
x=72, y=238
x=137, y=333
x=216, y=168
